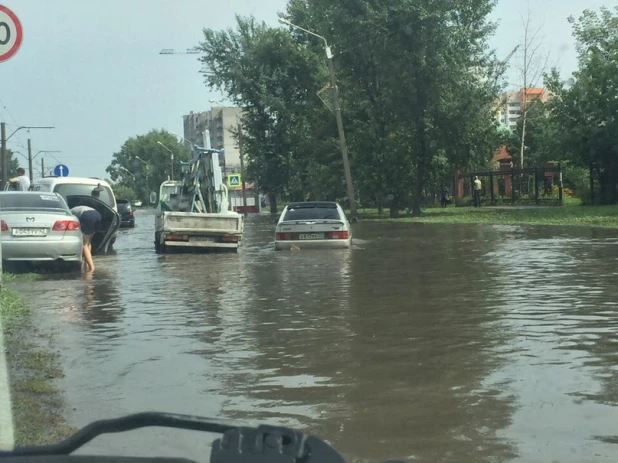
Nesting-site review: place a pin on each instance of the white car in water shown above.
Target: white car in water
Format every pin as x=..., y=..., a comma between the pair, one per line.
x=313, y=224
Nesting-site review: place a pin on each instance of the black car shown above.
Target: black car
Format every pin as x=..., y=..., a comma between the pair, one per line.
x=125, y=209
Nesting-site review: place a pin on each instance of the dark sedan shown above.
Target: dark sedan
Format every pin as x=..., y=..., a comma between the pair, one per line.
x=125, y=210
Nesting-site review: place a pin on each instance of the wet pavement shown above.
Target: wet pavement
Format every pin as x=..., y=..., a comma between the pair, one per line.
x=422, y=342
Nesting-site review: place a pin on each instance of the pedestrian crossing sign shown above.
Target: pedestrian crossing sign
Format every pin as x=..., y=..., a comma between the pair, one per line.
x=233, y=180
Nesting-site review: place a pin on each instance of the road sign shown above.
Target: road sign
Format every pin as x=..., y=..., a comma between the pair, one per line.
x=11, y=33
x=61, y=170
x=233, y=180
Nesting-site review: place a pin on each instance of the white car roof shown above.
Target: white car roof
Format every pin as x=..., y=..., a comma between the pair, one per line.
x=80, y=180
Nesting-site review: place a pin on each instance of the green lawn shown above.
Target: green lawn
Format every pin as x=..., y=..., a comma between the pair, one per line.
x=570, y=215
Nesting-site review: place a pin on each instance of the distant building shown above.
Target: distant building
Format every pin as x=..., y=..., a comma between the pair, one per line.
x=510, y=104
x=219, y=121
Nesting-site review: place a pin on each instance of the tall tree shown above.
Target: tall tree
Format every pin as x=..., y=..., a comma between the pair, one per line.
x=412, y=86
x=585, y=111
x=144, y=164
x=533, y=63
x=265, y=72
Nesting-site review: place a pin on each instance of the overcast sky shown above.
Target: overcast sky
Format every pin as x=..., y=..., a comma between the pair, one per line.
x=92, y=69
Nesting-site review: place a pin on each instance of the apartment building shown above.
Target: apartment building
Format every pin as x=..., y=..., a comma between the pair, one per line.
x=511, y=104
x=218, y=120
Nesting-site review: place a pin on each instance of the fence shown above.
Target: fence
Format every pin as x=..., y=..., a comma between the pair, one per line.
x=513, y=186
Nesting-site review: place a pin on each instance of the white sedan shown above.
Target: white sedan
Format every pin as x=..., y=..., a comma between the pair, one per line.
x=312, y=224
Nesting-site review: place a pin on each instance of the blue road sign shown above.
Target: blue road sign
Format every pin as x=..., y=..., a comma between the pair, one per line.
x=61, y=170
x=233, y=180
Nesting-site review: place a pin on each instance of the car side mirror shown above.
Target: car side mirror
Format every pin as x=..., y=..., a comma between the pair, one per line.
x=153, y=198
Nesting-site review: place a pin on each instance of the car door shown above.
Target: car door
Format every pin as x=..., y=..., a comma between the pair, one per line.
x=110, y=223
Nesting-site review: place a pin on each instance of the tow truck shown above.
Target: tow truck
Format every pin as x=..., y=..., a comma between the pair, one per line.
x=193, y=214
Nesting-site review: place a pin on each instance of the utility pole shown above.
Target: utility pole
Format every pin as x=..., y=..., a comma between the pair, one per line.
x=42, y=167
x=342, y=142
x=30, y=161
x=242, y=169
x=3, y=160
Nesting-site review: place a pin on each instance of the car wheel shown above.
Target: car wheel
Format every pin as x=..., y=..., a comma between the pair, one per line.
x=159, y=248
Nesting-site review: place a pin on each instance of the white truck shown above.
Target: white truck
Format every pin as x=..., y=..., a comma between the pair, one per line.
x=194, y=213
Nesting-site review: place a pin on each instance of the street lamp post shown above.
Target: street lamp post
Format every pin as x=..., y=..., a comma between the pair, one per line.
x=342, y=141
x=147, y=166
x=4, y=139
x=172, y=154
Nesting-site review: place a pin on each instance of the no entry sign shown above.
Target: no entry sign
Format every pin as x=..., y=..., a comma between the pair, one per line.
x=11, y=33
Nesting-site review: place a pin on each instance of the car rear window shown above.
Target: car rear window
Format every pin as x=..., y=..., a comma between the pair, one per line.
x=75, y=189
x=320, y=212
x=16, y=201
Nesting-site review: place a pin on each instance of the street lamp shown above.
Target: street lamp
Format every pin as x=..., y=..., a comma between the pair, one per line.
x=147, y=166
x=127, y=171
x=333, y=83
x=172, y=153
x=4, y=140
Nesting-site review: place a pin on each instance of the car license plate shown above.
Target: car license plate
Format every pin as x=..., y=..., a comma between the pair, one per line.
x=200, y=238
x=311, y=236
x=29, y=232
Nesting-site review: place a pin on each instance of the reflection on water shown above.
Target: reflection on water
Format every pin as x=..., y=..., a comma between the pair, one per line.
x=431, y=343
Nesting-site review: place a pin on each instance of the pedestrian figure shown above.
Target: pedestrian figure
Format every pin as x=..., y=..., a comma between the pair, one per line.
x=90, y=221
x=21, y=182
x=444, y=196
x=478, y=186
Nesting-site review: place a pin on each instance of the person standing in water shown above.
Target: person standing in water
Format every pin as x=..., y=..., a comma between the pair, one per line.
x=90, y=222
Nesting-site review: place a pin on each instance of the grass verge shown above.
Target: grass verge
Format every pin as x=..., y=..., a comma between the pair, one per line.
x=569, y=215
x=33, y=366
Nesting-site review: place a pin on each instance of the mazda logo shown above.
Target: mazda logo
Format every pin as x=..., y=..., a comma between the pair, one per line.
x=29, y=219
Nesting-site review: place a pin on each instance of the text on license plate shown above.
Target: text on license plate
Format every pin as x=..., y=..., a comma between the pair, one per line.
x=200, y=238
x=311, y=236
x=29, y=231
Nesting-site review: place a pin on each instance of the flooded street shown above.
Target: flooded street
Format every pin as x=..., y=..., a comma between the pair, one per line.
x=429, y=343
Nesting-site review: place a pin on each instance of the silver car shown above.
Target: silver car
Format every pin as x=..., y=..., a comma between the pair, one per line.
x=39, y=227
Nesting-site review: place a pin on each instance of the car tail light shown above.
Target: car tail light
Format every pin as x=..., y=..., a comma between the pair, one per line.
x=4, y=226
x=338, y=235
x=229, y=239
x=283, y=236
x=131, y=212
x=65, y=225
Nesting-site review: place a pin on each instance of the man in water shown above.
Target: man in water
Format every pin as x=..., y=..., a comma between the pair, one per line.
x=90, y=222
x=21, y=182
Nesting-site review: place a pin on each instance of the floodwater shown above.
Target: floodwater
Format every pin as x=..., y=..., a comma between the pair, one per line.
x=421, y=342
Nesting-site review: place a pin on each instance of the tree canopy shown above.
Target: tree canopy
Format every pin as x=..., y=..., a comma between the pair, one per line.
x=142, y=163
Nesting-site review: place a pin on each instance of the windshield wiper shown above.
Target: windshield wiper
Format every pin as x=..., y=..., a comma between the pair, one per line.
x=239, y=444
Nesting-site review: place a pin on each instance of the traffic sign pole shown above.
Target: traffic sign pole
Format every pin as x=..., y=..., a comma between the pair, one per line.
x=242, y=170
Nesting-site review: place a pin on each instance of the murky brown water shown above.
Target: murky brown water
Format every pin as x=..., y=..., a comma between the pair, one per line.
x=430, y=343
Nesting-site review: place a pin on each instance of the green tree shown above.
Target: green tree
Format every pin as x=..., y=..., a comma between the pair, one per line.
x=266, y=73
x=412, y=84
x=143, y=164
x=124, y=192
x=13, y=163
x=585, y=112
